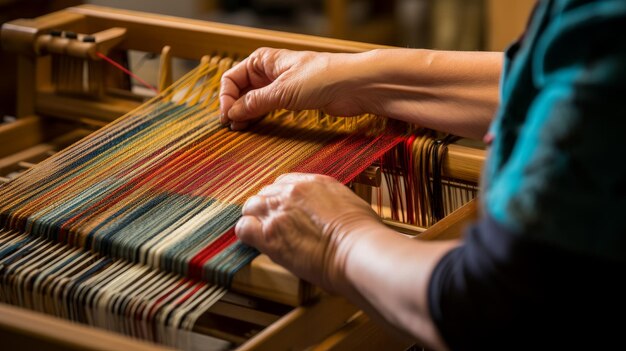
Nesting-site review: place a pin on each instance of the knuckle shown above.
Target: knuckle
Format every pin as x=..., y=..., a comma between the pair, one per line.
x=285, y=95
x=260, y=52
x=250, y=102
x=298, y=190
x=249, y=204
x=226, y=79
x=272, y=202
x=280, y=95
x=272, y=229
x=267, y=54
x=321, y=178
x=257, y=65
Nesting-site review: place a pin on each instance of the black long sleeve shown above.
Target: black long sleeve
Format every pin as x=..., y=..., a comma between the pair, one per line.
x=501, y=290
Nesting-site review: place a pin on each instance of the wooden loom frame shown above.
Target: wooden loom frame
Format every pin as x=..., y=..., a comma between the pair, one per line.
x=34, y=135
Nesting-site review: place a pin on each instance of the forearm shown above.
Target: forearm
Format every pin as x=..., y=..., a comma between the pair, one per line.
x=389, y=274
x=454, y=92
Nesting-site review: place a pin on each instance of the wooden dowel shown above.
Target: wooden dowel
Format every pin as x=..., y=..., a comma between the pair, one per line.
x=165, y=68
x=452, y=226
x=27, y=330
x=404, y=228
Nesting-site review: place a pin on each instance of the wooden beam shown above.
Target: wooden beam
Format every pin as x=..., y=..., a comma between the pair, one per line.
x=265, y=279
x=192, y=38
x=104, y=110
x=452, y=226
x=304, y=326
x=19, y=135
x=463, y=163
x=361, y=333
x=408, y=229
x=21, y=329
x=33, y=154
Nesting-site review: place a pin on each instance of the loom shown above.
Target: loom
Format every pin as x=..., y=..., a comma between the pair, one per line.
x=66, y=92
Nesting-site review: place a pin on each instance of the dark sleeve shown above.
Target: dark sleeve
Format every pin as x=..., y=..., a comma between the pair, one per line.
x=545, y=266
x=564, y=180
x=503, y=290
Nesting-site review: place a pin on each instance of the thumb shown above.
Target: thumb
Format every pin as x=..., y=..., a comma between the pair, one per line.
x=256, y=103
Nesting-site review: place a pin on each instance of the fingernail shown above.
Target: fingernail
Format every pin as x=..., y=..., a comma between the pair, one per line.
x=223, y=120
x=237, y=228
x=235, y=112
x=240, y=224
x=238, y=125
x=244, y=208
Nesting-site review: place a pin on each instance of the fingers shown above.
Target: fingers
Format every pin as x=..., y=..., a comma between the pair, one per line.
x=273, y=200
x=260, y=205
x=237, y=125
x=257, y=86
x=285, y=185
x=273, y=190
x=255, y=72
x=249, y=230
x=256, y=103
x=233, y=83
x=273, y=196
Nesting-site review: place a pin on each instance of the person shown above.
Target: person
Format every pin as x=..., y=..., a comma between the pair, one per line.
x=544, y=264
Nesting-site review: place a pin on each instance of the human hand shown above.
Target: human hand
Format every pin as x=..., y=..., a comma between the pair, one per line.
x=307, y=223
x=271, y=79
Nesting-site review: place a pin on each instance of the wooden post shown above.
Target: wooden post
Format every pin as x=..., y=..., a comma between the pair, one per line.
x=165, y=68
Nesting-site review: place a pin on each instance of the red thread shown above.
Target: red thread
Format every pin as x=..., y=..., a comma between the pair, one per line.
x=189, y=294
x=157, y=304
x=139, y=312
x=125, y=70
x=198, y=261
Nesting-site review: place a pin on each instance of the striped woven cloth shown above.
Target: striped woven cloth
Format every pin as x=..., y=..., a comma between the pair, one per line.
x=163, y=186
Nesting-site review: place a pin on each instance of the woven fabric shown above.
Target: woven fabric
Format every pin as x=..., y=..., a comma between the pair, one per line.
x=86, y=287
x=163, y=186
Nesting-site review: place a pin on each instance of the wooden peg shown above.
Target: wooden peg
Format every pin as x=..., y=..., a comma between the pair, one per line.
x=165, y=68
x=205, y=59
